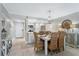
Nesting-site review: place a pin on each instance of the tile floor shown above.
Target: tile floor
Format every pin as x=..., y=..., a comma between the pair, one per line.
x=20, y=48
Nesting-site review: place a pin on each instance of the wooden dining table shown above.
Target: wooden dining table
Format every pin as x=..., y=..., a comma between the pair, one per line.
x=46, y=39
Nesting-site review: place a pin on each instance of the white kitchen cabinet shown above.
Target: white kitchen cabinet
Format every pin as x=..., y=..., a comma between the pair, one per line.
x=30, y=37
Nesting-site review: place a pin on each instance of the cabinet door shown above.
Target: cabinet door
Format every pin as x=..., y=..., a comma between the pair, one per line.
x=43, y=28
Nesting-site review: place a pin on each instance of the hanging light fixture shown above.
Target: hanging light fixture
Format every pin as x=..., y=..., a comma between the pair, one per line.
x=49, y=16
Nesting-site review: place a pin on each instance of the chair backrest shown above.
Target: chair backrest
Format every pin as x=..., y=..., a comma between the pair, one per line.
x=37, y=39
x=61, y=39
x=47, y=32
x=54, y=39
x=41, y=32
x=44, y=32
x=55, y=35
x=35, y=36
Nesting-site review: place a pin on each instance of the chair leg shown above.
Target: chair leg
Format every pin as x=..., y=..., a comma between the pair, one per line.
x=56, y=51
x=63, y=48
x=59, y=49
x=51, y=52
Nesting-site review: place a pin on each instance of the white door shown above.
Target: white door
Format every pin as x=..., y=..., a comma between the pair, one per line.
x=19, y=29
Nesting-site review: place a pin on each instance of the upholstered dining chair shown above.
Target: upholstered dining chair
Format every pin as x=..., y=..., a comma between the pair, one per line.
x=61, y=40
x=41, y=32
x=47, y=32
x=38, y=45
x=53, y=42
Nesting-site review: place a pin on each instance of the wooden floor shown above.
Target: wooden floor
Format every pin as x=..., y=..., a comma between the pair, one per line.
x=20, y=48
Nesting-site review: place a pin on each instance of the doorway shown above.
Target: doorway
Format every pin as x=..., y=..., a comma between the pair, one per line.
x=19, y=29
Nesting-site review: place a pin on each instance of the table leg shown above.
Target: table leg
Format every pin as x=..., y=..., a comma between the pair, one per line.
x=64, y=42
x=46, y=45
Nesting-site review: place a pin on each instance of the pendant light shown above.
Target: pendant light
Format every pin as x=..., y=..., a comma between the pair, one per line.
x=49, y=16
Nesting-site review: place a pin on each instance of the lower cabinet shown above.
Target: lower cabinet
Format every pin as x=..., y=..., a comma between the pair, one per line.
x=30, y=37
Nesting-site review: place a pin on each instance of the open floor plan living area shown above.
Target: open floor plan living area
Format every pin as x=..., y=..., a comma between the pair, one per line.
x=39, y=29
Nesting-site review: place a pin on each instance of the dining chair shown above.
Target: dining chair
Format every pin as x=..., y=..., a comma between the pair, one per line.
x=38, y=45
x=61, y=40
x=53, y=42
x=41, y=32
x=47, y=32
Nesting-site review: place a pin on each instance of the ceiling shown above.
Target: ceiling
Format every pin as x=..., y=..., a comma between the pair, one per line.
x=41, y=9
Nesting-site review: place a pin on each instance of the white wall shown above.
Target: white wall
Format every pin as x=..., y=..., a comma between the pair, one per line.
x=73, y=17
x=5, y=15
x=52, y=27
